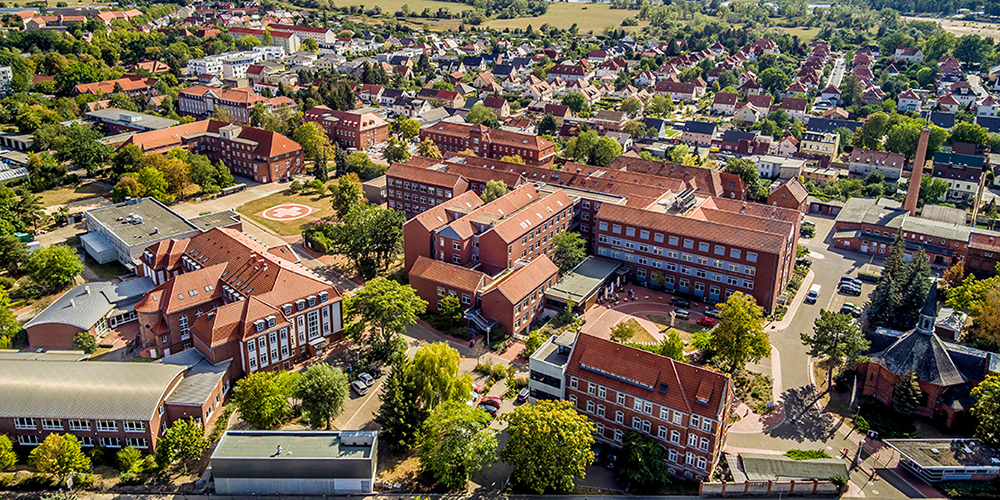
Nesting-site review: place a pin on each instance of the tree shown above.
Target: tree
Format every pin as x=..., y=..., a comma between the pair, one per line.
x=535, y=340
x=9, y=326
x=885, y=298
x=579, y=148
x=83, y=149
x=549, y=444
x=548, y=125
x=642, y=464
x=969, y=132
x=13, y=253
x=183, y=442
x=396, y=151
x=386, y=307
x=913, y=293
x=310, y=45
x=869, y=135
x=435, y=371
x=931, y=190
x=513, y=159
x=973, y=49
x=85, y=341
x=359, y=163
x=457, y=441
x=986, y=410
x=154, y=184
x=311, y=137
x=631, y=106
x=747, y=170
x=370, y=237
x=606, y=150
x=128, y=158
x=322, y=390
x=740, y=336
x=54, y=267
x=659, y=105
x=127, y=187
x=320, y=170
x=494, y=189
x=450, y=308
x=953, y=277
x=129, y=459
x=59, y=455
x=835, y=337
x=622, y=332
x=7, y=456
x=428, y=149
x=672, y=346
x=636, y=128
x=906, y=394
x=774, y=80
x=576, y=102
x=407, y=128
x=347, y=193
x=261, y=401
x=570, y=250
x=340, y=160
x=401, y=416
x=479, y=114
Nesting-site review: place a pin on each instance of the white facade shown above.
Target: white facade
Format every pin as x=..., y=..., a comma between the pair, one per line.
x=235, y=66
x=271, y=52
x=6, y=75
x=210, y=65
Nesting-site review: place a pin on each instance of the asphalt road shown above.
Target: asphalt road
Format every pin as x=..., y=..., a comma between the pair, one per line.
x=837, y=75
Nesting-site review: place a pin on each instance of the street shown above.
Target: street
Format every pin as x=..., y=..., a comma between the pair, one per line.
x=837, y=75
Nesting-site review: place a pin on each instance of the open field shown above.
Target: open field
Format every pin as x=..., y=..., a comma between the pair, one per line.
x=641, y=335
x=391, y=6
x=322, y=205
x=806, y=34
x=75, y=192
x=961, y=28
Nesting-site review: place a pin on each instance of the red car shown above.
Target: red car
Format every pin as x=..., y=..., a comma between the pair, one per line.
x=491, y=401
x=706, y=321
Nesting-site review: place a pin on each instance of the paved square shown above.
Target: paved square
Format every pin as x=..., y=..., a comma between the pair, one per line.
x=287, y=212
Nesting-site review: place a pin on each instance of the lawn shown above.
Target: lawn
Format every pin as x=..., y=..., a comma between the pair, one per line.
x=322, y=205
x=806, y=34
x=75, y=192
x=641, y=335
x=105, y=271
x=684, y=329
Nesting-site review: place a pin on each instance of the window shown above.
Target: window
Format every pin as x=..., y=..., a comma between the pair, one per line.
x=695, y=420
x=646, y=426
x=692, y=440
x=621, y=398
x=720, y=250
x=591, y=388
x=618, y=435
x=133, y=426
x=661, y=432
x=27, y=440
x=24, y=423
x=703, y=444
x=599, y=429
x=629, y=231
x=137, y=443
x=107, y=425
x=86, y=441
x=689, y=458
x=636, y=422
x=702, y=463
x=706, y=425
x=675, y=437
x=617, y=229
x=602, y=392
x=751, y=256
x=79, y=425
x=664, y=413
x=703, y=247
x=110, y=442
x=600, y=410
x=590, y=407
x=672, y=455
x=677, y=417
x=572, y=382
x=620, y=417
x=572, y=398
x=603, y=226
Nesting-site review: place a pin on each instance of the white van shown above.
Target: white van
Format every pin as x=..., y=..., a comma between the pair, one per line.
x=813, y=294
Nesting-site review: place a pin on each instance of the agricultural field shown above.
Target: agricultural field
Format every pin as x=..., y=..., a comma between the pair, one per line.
x=958, y=27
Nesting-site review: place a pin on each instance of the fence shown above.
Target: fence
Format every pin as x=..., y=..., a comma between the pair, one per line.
x=769, y=488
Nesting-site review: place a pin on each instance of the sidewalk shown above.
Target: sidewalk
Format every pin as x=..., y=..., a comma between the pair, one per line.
x=800, y=296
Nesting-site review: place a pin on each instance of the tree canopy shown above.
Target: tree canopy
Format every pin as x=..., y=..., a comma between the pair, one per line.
x=457, y=441
x=740, y=337
x=549, y=445
x=322, y=390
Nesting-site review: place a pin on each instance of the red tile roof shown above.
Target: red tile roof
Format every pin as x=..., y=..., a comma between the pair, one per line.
x=518, y=284
x=447, y=274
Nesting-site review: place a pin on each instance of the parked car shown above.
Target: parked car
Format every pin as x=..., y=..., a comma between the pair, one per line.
x=679, y=302
x=850, y=289
x=473, y=399
x=609, y=461
x=477, y=388
x=803, y=261
x=850, y=308
x=713, y=313
x=598, y=453
x=375, y=371
x=850, y=279
x=492, y=401
x=492, y=410
x=706, y=321
x=523, y=395
x=366, y=378
x=359, y=387
x=682, y=313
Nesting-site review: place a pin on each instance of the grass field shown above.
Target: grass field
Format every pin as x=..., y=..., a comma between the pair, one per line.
x=322, y=205
x=641, y=335
x=67, y=194
x=806, y=34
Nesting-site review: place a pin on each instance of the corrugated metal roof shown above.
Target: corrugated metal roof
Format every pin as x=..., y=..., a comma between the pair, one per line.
x=85, y=390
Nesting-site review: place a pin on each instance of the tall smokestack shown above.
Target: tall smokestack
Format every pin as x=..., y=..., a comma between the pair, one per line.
x=913, y=191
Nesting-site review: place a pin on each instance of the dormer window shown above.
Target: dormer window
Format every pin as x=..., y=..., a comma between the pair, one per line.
x=259, y=324
x=271, y=321
x=300, y=304
x=323, y=297
x=312, y=300
x=287, y=309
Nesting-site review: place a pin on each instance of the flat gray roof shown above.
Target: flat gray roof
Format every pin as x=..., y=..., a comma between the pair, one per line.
x=158, y=221
x=937, y=229
x=583, y=281
x=224, y=218
x=761, y=467
x=944, y=214
x=133, y=118
x=199, y=381
x=94, y=390
x=294, y=445
x=11, y=354
x=947, y=452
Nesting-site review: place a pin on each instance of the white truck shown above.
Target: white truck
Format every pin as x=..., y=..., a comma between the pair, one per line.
x=813, y=294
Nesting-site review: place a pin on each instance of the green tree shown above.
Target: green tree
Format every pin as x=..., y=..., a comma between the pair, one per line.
x=579, y=148
x=60, y=456
x=384, y=307
x=9, y=326
x=435, y=371
x=127, y=187
x=494, y=189
x=631, y=106
x=548, y=125
x=622, y=332
x=659, y=105
x=774, y=80
x=400, y=415
x=931, y=190
x=986, y=410
x=885, y=298
x=407, y=128
x=549, y=444
x=450, y=308
x=129, y=460
x=183, y=442
x=322, y=390
x=359, y=163
x=969, y=132
x=127, y=159
x=7, y=456
x=479, y=114
x=740, y=336
x=154, y=184
x=311, y=137
x=347, y=193
x=838, y=339
x=83, y=149
x=535, y=340
x=576, y=102
x=570, y=250
x=747, y=170
x=54, y=267
x=370, y=237
x=672, y=346
x=396, y=151
x=310, y=45
x=321, y=171
x=973, y=49
x=604, y=151
x=869, y=135
x=84, y=341
x=642, y=464
x=261, y=400
x=457, y=441
x=906, y=394
x=428, y=149
x=913, y=293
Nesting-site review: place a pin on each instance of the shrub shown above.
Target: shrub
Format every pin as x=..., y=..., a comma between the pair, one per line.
x=861, y=424
x=839, y=481
x=295, y=186
x=130, y=479
x=807, y=231
x=806, y=454
x=129, y=460
x=83, y=481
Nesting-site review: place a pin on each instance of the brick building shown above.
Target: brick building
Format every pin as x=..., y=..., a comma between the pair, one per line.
x=232, y=298
x=132, y=85
x=623, y=389
x=790, y=194
x=706, y=247
x=415, y=190
x=201, y=101
x=259, y=154
x=495, y=144
x=350, y=129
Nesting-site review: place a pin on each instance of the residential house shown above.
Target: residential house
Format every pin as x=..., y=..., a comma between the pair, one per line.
x=865, y=161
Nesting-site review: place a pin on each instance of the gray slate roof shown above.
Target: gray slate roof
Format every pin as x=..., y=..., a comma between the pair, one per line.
x=85, y=305
x=200, y=379
x=925, y=355
x=760, y=467
x=85, y=390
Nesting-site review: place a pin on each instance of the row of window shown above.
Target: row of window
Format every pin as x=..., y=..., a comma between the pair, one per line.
x=466, y=299
x=423, y=188
x=675, y=241
x=640, y=405
x=690, y=459
x=88, y=441
x=669, y=280
x=55, y=424
x=684, y=256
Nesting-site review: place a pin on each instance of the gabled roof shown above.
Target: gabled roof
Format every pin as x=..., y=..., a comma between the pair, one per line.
x=696, y=127
x=447, y=274
x=519, y=283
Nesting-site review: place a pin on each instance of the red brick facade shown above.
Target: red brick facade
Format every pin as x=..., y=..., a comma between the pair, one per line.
x=489, y=143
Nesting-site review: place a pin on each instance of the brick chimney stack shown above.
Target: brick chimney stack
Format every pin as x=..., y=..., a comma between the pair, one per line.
x=913, y=191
